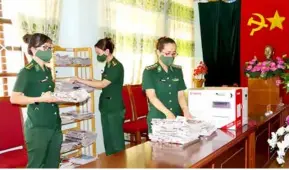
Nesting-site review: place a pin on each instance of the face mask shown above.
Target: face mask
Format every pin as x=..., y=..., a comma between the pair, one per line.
x=101, y=58
x=168, y=61
x=44, y=55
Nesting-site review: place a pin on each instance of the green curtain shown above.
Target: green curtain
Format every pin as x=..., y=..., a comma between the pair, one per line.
x=220, y=32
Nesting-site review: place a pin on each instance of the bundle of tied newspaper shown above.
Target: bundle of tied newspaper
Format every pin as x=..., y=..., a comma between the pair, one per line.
x=180, y=130
x=85, y=138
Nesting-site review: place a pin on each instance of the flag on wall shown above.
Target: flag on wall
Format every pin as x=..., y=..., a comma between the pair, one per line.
x=263, y=22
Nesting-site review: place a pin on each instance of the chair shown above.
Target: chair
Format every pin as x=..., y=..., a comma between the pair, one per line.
x=138, y=126
x=11, y=134
x=128, y=117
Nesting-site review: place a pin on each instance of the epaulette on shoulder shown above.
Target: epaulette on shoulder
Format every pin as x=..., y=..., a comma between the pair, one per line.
x=114, y=63
x=29, y=66
x=177, y=66
x=152, y=66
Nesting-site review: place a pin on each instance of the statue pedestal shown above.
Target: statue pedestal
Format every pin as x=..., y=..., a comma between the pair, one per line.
x=262, y=92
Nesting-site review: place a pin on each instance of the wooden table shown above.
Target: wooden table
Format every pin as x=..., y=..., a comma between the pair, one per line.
x=266, y=125
x=221, y=150
x=246, y=147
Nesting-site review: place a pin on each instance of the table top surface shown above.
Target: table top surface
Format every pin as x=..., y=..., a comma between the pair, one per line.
x=156, y=155
x=260, y=118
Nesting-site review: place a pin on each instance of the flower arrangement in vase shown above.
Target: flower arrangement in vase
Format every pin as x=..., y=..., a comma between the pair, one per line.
x=280, y=139
x=266, y=69
x=199, y=75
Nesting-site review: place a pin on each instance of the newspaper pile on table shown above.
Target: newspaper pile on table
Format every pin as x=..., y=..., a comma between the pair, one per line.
x=68, y=117
x=85, y=138
x=64, y=60
x=179, y=130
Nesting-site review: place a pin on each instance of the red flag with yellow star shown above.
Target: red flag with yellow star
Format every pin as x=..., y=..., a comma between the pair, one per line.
x=263, y=22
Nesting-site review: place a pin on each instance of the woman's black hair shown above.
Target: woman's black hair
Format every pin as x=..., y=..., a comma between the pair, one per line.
x=162, y=41
x=35, y=40
x=105, y=43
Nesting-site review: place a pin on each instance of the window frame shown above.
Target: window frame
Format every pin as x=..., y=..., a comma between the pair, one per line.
x=4, y=75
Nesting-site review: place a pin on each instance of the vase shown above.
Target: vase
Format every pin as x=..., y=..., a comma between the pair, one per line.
x=198, y=83
x=261, y=94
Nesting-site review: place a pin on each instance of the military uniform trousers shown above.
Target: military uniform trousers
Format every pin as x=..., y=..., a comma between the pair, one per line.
x=112, y=128
x=45, y=152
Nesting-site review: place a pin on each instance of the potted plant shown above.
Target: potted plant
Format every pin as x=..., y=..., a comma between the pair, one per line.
x=264, y=78
x=199, y=75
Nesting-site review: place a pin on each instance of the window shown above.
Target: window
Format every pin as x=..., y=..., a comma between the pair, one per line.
x=11, y=56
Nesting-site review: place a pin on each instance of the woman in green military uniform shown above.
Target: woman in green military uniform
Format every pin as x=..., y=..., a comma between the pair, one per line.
x=164, y=84
x=34, y=83
x=110, y=102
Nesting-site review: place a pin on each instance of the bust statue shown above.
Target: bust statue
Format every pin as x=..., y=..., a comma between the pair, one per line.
x=268, y=52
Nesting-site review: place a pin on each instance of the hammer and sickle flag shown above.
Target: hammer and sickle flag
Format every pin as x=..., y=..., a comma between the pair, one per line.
x=258, y=24
x=263, y=22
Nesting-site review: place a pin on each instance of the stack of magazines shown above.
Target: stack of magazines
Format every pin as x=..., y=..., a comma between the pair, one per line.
x=85, y=138
x=179, y=130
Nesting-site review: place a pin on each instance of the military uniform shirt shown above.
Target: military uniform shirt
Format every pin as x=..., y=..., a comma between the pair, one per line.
x=32, y=81
x=166, y=86
x=111, y=96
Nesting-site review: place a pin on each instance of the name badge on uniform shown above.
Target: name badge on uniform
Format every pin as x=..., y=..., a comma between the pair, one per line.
x=163, y=80
x=176, y=79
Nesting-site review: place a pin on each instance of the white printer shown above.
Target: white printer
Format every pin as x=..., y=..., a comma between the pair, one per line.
x=226, y=107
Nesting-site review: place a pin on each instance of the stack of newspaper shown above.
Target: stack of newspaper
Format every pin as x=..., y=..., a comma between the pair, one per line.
x=74, y=162
x=179, y=130
x=67, y=146
x=65, y=86
x=85, y=138
x=76, y=96
x=64, y=60
x=73, y=115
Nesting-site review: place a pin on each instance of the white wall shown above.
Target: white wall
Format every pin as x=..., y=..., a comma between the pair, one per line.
x=79, y=28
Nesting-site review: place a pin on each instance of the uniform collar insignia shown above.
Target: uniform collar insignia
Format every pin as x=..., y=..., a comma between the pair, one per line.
x=113, y=62
x=37, y=68
x=159, y=68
